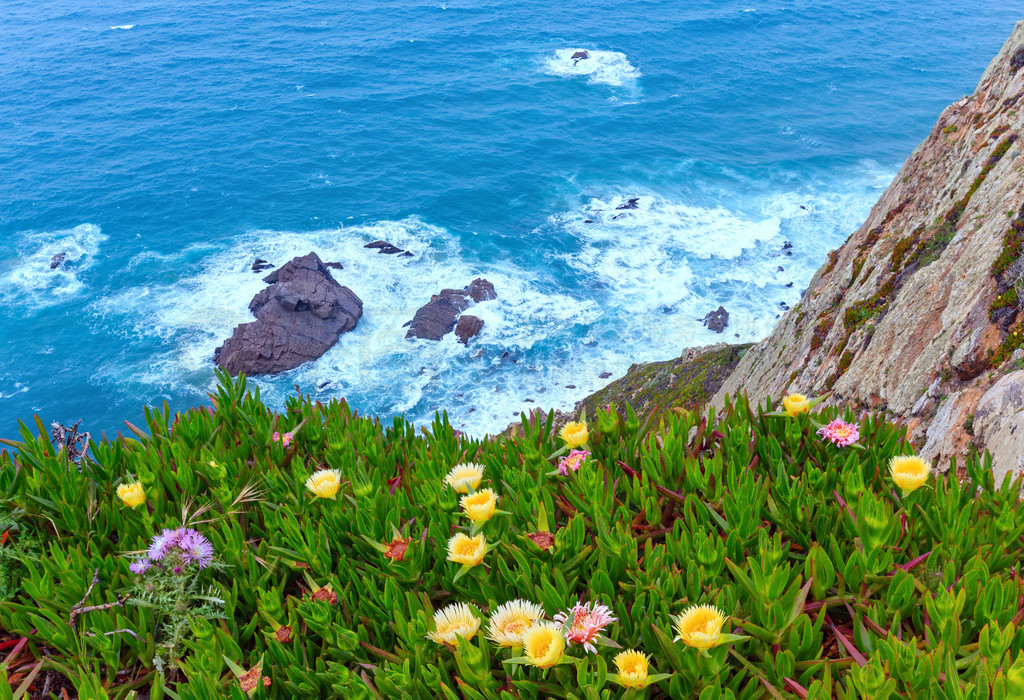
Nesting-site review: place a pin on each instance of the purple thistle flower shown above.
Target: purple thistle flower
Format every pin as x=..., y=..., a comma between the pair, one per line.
x=140, y=566
x=195, y=549
x=161, y=544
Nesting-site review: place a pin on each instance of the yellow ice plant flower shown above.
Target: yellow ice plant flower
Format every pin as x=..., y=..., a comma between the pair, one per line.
x=543, y=644
x=324, y=483
x=632, y=667
x=909, y=472
x=700, y=626
x=574, y=434
x=479, y=506
x=511, y=621
x=463, y=549
x=131, y=494
x=465, y=477
x=795, y=404
x=453, y=622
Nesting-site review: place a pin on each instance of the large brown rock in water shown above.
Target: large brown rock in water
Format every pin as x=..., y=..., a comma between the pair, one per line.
x=298, y=318
x=438, y=316
x=468, y=327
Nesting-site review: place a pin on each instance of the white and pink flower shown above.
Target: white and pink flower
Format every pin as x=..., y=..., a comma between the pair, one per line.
x=574, y=460
x=583, y=624
x=840, y=433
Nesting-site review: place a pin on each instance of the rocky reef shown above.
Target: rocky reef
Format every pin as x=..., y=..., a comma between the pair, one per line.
x=298, y=317
x=443, y=313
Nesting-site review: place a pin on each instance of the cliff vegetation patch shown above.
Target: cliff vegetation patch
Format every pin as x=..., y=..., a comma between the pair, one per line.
x=778, y=551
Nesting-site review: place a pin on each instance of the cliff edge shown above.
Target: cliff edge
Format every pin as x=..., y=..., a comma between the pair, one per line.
x=919, y=312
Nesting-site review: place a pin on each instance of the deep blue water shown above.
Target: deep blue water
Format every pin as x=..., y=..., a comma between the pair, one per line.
x=164, y=146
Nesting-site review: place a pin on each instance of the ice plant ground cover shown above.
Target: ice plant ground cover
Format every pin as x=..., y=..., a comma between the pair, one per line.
x=743, y=557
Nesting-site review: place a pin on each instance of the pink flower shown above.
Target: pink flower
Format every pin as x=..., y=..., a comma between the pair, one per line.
x=285, y=439
x=572, y=461
x=582, y=625
x=840, y=433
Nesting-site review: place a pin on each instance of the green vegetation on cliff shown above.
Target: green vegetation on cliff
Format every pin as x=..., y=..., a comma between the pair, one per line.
x=231, y=551
x=684, y=382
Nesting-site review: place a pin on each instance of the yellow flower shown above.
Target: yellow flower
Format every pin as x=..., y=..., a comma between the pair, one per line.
x=131, y=494
x=795, y=404
x=457, y=620
x=464, y=477
x=574, y=434
x=325, y=483
x=511, y=621
x=700, y=626
x=543, y=644
x=632, y=665
x=479, y=506
x=463, y=549
x=909, y=472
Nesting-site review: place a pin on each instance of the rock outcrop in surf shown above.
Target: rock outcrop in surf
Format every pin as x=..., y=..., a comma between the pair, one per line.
x=439, y=316
x=298, y=318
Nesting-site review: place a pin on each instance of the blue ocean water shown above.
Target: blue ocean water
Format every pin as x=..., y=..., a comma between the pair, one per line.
x=164, y=146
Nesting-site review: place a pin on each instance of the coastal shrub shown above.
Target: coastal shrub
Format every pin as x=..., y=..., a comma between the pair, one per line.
x=314, y=552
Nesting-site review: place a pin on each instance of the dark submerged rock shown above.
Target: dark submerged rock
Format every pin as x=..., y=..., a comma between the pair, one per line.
x=259, y=265
x=717, y=320
x=385, y=248
x=58, y=260
x=633, y=203
x=298, y=318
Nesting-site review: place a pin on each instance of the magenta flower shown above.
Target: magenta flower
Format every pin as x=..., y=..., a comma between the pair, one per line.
x=574, y=460
x=284, y=438
x=840, y=433
x=583, y=625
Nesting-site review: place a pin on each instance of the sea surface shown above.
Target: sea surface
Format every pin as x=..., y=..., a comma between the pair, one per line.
x=163, y=146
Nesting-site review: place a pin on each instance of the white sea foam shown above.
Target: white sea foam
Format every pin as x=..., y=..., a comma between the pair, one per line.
x=9, y=387
x=628, y=287
x=26, y=277
x=374, y=365
x=124, y=26
x=606, y=67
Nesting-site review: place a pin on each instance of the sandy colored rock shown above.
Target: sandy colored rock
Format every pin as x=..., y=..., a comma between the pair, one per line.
x=898, y=319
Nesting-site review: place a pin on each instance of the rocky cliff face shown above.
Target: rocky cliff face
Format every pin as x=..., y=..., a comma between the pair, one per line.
x=917, y=314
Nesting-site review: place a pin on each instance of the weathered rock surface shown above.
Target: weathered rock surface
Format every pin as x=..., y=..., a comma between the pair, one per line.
x=468, y=327
x=717, y=320
x=999, y=423
x=438, y=317
x=298, y=317
x=909, y=315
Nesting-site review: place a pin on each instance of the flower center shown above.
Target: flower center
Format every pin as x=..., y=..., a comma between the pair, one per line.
x=517, y=627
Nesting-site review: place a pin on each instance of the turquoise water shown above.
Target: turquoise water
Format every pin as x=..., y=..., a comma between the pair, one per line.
x=165, y=146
